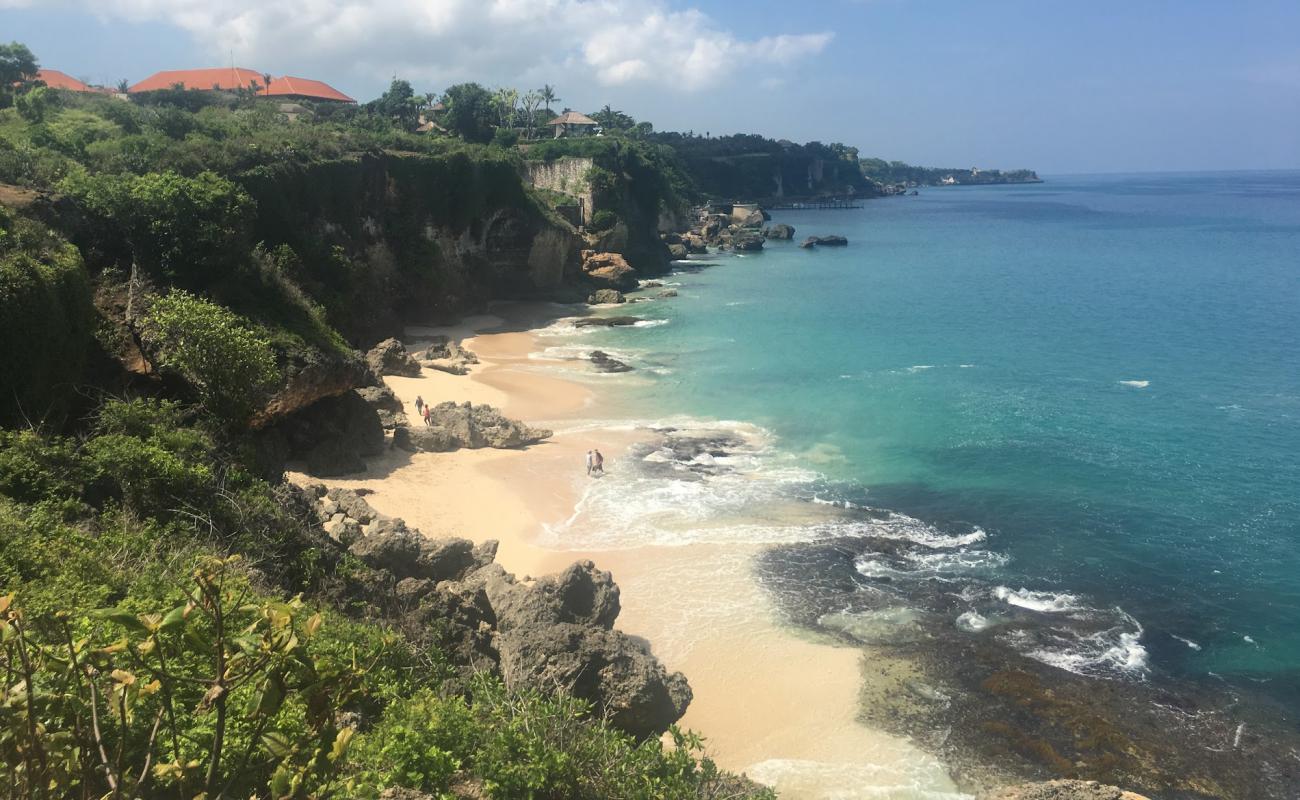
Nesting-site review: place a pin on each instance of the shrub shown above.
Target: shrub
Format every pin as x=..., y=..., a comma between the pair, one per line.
x=505, y=137
x=46, y=319
x=192, y=230
x=229, y=366
x=603, y=220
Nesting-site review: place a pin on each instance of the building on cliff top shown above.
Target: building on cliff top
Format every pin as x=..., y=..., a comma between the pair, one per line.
x=229, y=79
x=571, y=123
x=62, y=80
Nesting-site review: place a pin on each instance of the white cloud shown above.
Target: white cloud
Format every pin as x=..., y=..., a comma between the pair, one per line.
x=439, y=42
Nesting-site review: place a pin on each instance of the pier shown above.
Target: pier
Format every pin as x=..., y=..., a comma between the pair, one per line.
x=832, y=203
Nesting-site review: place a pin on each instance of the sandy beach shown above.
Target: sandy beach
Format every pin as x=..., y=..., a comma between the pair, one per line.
x=769, y=700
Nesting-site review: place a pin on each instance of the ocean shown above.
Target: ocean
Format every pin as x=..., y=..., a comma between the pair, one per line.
x=1060, y=420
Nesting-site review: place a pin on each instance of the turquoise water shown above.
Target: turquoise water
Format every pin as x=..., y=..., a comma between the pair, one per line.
x=1097, y=376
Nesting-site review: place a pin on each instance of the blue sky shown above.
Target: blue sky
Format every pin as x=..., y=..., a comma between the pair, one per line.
x=1061, y=87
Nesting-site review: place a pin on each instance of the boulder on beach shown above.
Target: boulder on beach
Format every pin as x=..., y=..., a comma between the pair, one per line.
x=452, y=426
x=677, y=251
x=557, y=634
x=747, y=243
x=779, y=231
x=389, y=357
x=609, y=271
x=387, y=406
x=606, y=297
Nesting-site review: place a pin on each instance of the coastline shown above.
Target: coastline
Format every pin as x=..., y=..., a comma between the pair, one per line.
x=771, y=700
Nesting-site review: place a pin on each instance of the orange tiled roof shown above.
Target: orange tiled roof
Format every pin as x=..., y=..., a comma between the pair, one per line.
x=61, y=80
x=288, y=86
x=227, y=78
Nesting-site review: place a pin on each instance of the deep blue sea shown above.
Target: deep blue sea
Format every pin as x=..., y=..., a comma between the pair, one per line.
x=1086, y=391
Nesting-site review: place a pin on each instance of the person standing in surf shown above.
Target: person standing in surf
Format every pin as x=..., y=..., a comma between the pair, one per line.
x=599, y=466
x=591, y=462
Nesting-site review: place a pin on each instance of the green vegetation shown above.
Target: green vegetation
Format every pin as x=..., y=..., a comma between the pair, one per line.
x=228, y=364
x=897, y=172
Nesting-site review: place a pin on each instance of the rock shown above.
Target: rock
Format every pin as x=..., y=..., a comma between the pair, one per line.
x=1060, y=790
x=334, y=457
x=754, y=219
x=605, y=363
x=411, y=590
x=389, y=357
x=587, y=322
x=779, y=231
x=695, y=243
x=667, y=293
x=677, y=251
x=747, y=243
x=445, y=355
x=379, y=397
x=391, y=548
x=825, y=241
x=606, y=296
x=451, y=368
x=446, y=559
x=609, y=271
x=558, y=633
x=353, y=505
x=808, y=243
x=422, y=438
x=651, y=284
x=455, y=426
x=343, y=529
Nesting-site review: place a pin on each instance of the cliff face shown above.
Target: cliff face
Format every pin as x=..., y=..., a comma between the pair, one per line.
x=383, y=240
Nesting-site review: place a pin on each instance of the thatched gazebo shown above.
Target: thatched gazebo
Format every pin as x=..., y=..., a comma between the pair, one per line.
x=571, y=123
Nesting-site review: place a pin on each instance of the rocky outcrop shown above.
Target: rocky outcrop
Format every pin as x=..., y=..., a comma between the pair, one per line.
x=552, y=634
x=445, y=355
x=779, y=231
x=558, y=633
x=608, y=271
x=747, y=243
x=389, y=357
x=312, y=376
x=678, y=251
x=452, y=426
x=667, y=293
x=605, y=322
x=606, y=297
x=331, y=437
x=1061, y=790
x=387, y=406
x=604, y=363
x=824, y=241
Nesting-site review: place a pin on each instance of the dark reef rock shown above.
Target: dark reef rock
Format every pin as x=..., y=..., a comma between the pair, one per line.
x=589, y=322
x=1061, y=790
x=779, y=231
x=606, y=297
x=747, y=243
x=605, y=363
x=389, y=357
x=824, y=241
x=332, y=435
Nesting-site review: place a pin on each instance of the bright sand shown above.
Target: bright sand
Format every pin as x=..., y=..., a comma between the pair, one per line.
x=768, y=700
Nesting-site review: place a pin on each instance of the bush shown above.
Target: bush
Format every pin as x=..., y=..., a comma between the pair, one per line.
x=505, y=137
x=603, y=220
x=192, y=230
x=46, y=319
x=229, y=366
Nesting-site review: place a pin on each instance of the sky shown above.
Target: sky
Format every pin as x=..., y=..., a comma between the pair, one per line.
x=1057, y=86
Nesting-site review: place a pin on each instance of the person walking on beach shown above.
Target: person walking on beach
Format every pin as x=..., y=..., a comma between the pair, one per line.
x=599, y=466
x=428, y=420
x=419, y=405
x=591, y=461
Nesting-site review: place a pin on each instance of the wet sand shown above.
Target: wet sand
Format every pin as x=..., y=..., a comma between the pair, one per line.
x=769, y=700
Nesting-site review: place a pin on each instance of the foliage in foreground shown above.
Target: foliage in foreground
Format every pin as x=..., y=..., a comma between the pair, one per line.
x=142, y=661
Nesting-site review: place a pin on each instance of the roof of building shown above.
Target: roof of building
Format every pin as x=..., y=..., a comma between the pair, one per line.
x=227, y=78
x=288, y=86
x=573, y=118
x=62, y=80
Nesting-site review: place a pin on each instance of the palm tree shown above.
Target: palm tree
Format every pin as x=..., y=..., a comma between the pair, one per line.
x=123, y=85
x=266, y=86
x=530, y=102
x=507, y=101
x=549, y=97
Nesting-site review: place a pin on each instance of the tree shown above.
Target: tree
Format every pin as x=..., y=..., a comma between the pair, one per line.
x=507, y=103
x=17, y=67
x=549, y=97
x=470, y=111
x=531, y=101
x=398, y=104
x=612, y=120
x=266, y=85
x=123, y=85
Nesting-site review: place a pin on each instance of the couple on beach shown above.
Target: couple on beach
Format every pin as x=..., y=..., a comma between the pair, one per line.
x=595, y=463
x=422, y=409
